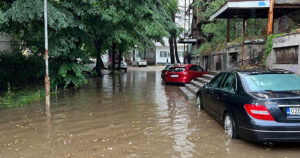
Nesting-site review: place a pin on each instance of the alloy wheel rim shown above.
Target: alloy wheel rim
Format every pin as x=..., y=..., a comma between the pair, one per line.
x=228, y=126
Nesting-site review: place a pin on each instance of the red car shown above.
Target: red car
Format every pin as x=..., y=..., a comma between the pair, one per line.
x=166, y=69
x=183, y=73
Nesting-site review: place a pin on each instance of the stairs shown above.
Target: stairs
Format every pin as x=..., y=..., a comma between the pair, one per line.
x=190, y=90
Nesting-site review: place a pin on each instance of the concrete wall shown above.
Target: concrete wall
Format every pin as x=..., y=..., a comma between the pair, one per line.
x=285, y=42
x=231, y=56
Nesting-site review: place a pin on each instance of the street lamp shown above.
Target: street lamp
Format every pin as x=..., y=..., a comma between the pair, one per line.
x=47, y=79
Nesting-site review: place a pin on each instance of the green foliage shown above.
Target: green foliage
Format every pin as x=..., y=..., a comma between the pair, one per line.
x=21, y=98
x=67, y=73
x=205, y=48
x=82, y=28
x=17, y=69
x=209, y=7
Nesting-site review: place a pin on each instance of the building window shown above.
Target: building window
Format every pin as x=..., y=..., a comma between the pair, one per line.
x=287, y=55
x=163, y=54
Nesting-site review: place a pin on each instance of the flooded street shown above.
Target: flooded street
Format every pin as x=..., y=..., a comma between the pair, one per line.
x=125, y=115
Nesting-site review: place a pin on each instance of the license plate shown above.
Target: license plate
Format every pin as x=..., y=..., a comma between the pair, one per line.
x=293, y=111
x=174, y=75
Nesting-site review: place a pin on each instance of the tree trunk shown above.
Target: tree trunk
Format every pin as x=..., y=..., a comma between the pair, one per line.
x=176, y=51
x=101, y=63
x=133, y=55
x=113, y=57
x=119, y=61
x=145, y=53
x=228, y=31
x=171, y=50
x=98, y=63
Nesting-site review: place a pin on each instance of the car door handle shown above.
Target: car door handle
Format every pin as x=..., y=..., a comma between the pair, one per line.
x=225, y=95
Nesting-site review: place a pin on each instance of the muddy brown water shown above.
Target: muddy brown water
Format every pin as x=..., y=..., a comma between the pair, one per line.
x=128, y=115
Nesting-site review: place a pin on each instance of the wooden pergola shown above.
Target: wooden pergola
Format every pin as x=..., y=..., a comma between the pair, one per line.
x=245, y=9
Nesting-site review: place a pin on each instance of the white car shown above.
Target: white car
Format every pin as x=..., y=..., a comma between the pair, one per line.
x=123, y=65
x=139, y=63
x=91, y=65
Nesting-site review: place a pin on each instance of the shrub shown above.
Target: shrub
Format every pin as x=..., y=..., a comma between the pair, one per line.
x=17, y=70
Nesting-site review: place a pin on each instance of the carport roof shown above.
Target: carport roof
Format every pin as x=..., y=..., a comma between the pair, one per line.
x=254, y=9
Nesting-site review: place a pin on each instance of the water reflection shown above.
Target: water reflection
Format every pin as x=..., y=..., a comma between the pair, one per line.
x=173, y=115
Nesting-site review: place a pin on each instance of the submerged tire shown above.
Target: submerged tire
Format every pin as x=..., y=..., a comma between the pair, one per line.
x=229, y=126
x=199, y=102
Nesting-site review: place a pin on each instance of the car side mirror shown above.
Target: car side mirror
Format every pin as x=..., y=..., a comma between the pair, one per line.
x=206, y=85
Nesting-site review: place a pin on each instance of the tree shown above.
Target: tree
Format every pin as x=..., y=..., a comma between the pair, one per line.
x=23, y=20
x=172, y=9
x=79, y=29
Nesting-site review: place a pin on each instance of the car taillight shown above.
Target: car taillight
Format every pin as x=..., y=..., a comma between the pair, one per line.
x=259, y=112
x=185, y=72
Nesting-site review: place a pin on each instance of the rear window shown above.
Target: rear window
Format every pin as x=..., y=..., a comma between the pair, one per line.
x=177, y=69
x=272, y=82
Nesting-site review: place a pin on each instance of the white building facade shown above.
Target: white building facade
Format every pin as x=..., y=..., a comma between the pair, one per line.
x=162, y=53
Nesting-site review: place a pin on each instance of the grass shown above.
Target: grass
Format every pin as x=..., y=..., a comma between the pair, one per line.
x=21, y=98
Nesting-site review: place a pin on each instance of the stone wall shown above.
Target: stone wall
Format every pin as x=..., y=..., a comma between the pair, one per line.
x=231, y=56
x=287, y=22
x=285, y=53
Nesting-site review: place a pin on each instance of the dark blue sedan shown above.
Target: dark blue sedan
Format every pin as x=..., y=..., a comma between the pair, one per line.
x=255, y=105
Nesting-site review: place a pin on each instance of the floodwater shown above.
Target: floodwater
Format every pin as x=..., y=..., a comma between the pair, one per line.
x=129, y=115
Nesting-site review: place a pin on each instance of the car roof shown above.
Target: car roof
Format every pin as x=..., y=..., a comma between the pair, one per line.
x=261, y=71
x=184, y=65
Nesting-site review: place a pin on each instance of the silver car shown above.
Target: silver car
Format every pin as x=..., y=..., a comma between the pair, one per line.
x=123, y=66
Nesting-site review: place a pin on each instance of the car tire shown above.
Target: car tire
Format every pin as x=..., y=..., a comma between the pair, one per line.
x=229, y=126
x=199, y=102
x=125, y=70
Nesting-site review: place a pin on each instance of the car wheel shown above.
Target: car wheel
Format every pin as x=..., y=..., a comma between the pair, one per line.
x=229, y=126
x=125, y=70
x=199, y=102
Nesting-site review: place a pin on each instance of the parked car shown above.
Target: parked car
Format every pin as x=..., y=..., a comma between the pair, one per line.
x=123, y=66
x=139, y=63
x=91, y=65
x=183, y=73
x=255, y=105
x=168, y=66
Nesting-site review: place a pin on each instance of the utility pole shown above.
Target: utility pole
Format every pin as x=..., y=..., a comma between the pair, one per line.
x=271, y=18
x=47, y=79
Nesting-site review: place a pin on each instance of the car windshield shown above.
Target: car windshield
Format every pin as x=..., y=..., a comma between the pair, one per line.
x=272, y=82
x=177, y=69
